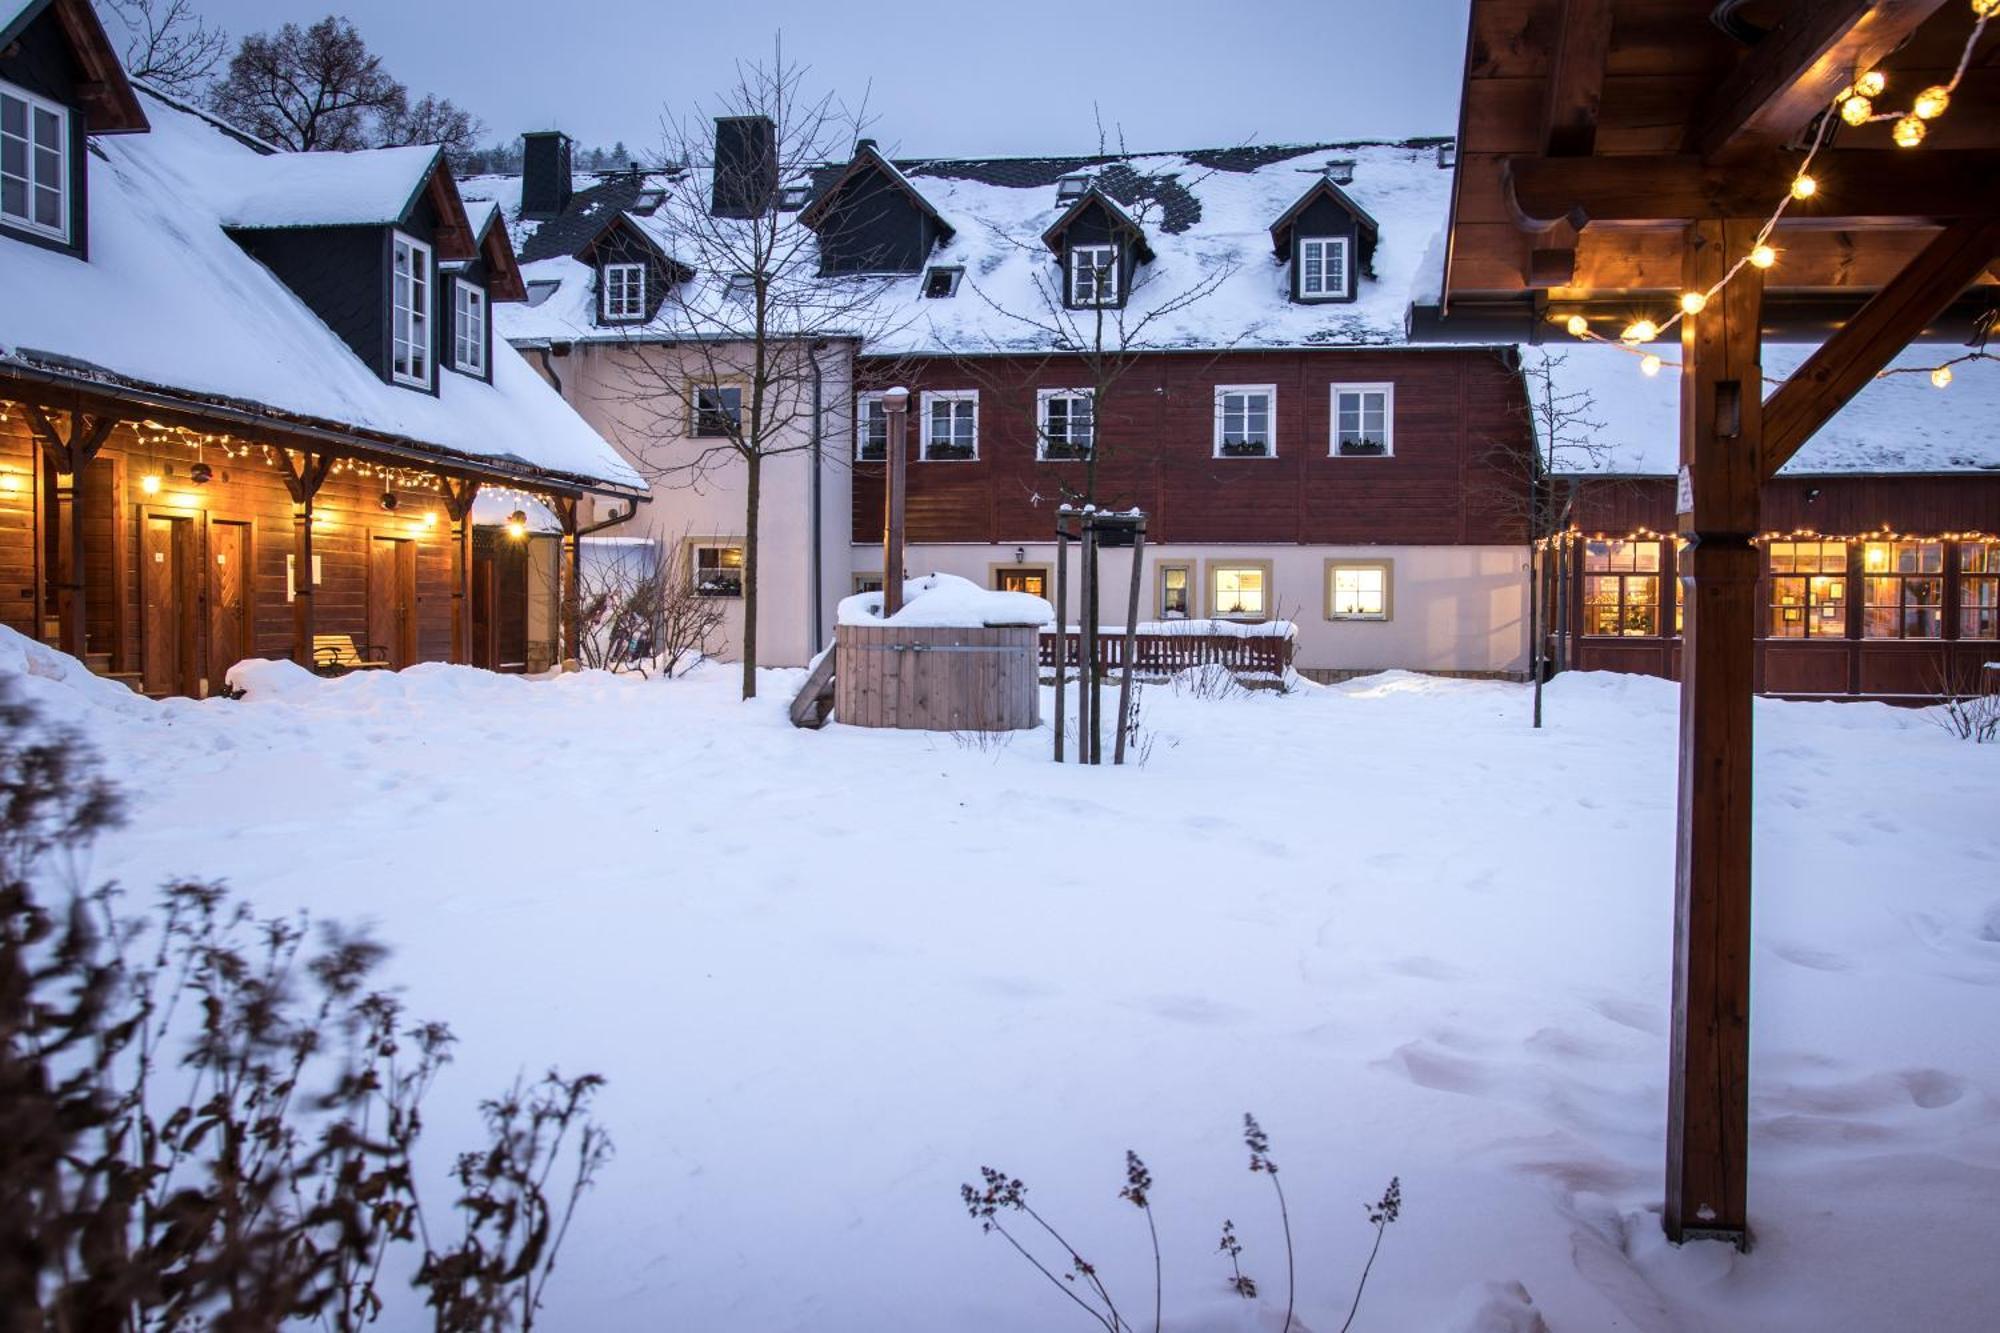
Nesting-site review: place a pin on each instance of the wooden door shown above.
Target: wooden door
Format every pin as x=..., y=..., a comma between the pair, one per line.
x=166, y=565
x=228, y=599
x=392, y=599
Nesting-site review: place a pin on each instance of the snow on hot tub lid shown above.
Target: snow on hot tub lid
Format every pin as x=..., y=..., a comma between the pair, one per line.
x=946, y=601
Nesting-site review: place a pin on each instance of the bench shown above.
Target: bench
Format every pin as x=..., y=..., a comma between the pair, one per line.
x=338, y=654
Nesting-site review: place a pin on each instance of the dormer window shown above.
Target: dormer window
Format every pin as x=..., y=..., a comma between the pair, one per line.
x=1093, y=275
x=34, y=163
x=1071, y=187
x=468, y=328
x=410, y=313
x=624, y=299
x=942, y=281
x=1323, y=268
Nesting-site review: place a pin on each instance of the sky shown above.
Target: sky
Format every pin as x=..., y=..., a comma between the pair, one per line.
x=1006, y=77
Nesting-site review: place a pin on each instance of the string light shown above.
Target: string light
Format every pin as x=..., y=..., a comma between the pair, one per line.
x=1640, y=331
x=1874, y=82
x=1941, y=377
x=1650, y=364
x=1693, y=303
x=1577, y=326
x=1856, y=110
x=1909, y=132
x=1763, y=256
x=1931, y=103
x=1804, y=186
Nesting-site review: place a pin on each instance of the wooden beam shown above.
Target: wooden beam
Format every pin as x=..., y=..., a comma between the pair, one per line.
x=458, y=498
x=303, y=480
x=572, y=587
x=1708, y=1098
x=1895, y=315
x=1576, y=78
x=73, y=453
x=1816, y=49
x=1857, y=187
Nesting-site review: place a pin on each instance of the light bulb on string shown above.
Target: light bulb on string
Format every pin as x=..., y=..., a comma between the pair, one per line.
x=1640, y=331
x=1856, y=109
x=1941, y=377
x=1874, y=81
x=1908, y=132
x=1804, y=186
x=1649, y=364
x=1578, y=326
x=1931, y=102
x=1693, y=303
x=1763, y=256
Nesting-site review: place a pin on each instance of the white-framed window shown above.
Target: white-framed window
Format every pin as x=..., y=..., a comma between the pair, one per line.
x=1093, y=275
x=1357, y=589
x=951, y=425
x=1246, y=420
x=1364, y=420
x=468, y=327
x=871, y=429
x=34, y=163
x=1065, y=424
x=717, y=409
x=716, y=569
x=1323, y=268
x=624, y=293
x=410, y=313
x=1239, y=589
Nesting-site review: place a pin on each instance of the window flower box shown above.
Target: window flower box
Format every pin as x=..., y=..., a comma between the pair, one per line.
x=1362, y=448
x=1057, y=452
x=939, y=451
x=1245, y=449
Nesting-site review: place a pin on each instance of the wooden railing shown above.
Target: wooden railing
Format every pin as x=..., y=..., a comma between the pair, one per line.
x=1163, y=655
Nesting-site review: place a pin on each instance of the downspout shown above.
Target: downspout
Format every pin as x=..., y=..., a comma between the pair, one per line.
x=818, y=600
x=548, y=368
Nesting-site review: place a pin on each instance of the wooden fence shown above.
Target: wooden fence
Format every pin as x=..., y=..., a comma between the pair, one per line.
x=1162, y=655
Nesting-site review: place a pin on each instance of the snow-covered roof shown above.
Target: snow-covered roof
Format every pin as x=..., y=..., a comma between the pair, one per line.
x=167, y=302
x=1898, y=423
x=374, y=187
x=1207, y=216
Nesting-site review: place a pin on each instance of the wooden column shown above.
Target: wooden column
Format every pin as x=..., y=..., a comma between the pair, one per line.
x=1721, y=431
x=572, y=594
x=304, y=475
x=458, y=498
x=895, y=409
x=72, y=452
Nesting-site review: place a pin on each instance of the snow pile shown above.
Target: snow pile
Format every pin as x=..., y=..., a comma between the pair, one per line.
x=371, y=187
x=946, y=600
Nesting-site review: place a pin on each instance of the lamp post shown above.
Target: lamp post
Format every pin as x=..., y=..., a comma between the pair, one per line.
x=895, y=408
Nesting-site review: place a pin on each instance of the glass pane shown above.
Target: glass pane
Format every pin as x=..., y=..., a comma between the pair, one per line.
x=13, y=117
x=1875, y=558
x=1646, y=557
x=48, y=129
x=48, y=208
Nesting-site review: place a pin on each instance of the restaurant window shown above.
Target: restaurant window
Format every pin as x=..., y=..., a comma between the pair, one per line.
x=1621, y=588
x=1808, y=590
x=1240, y=591
x=1979, y=590
x=1176, y=592
x=1904, y=590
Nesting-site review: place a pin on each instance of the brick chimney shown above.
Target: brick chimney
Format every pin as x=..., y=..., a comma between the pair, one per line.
x=746, y=166
x=545, y=174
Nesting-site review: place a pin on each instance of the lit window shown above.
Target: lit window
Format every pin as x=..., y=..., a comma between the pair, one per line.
x=624, y=292
x=410, y=316
x=718, y=409
x=1903, y=590
x=871, y=429
x=867, y=583
x=1243, y=420
x=1066, y=424
x=951, y=425
x=1093, y=275
x=1239, y=592
x=468, y=328
x=1979, y=590
x=1358, y=591
x=1030, y=579
x=717, y=571
x=1621, y=588
x=1808, y=590
x=34, y=163
x=1364, y=420
x=1176, y=588
x=1323, y=267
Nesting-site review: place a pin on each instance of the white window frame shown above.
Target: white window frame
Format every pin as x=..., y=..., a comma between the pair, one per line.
x=1388, y=392
x=1103, y=278
x=1270, y=396
x=861, y=405
x=32, y=181
x=468, y=327
x=1043, y=397
x=631, y=307
x=696, y=547
x=955, y=396
x=410, y=322
x=1214, y=568
x=1386, y=569
x=1341, y=245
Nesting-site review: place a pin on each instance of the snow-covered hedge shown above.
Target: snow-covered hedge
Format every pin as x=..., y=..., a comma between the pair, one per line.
x=948, y=601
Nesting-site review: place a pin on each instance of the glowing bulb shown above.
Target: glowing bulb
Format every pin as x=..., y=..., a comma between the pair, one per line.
x=1692, y=303
x=1931, y=102
x=150, y=483
x=1804, y=186
x=430, y=518
x=10, y=483
x=1941, y=376
x=1763, y=257
x=1650, y=364
x=517, y=530
x=1874, y=81
x=1856, y=110
x=1908, y=133
x=1577, y=326
x=1640, y=331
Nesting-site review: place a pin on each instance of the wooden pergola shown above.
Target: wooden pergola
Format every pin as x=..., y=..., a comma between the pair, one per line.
x=1615, y=154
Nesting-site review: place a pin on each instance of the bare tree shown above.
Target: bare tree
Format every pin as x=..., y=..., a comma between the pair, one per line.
x=432, y=119
x=729, y=373
x=642, y=610
x=168, y=44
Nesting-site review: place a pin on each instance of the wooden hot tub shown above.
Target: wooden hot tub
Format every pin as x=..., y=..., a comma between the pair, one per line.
x=936, y=678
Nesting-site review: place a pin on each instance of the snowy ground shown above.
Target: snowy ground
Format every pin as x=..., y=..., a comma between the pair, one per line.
x=830, y=975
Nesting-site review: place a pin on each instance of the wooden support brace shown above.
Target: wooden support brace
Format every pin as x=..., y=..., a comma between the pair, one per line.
x=572, y=595
x=458, y=498
x=72, y=453
x=303, y=479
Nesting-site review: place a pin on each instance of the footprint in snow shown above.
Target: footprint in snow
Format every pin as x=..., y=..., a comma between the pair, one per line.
x=1428, y=1066
x=1819, y=960
x=1639, y=1017
x=1194, y=1010
x=1933, y=1089
x=1428, y=969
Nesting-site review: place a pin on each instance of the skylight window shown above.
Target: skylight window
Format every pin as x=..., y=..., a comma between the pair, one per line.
x=794, y=197
x=648, y=202
x=1072, y=187
x=941, y=281
x=1341, y=171
x=1447, y=156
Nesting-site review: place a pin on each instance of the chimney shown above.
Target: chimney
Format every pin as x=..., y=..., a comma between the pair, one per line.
x=545, y=174
x=746, y=166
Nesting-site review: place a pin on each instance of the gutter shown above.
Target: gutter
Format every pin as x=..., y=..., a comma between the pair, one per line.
x=815, y=633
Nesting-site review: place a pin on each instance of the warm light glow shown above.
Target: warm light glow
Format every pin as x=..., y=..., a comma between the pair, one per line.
x=1804, y=186
x=430, y=518
x=1763, y=257
x=1874, y=81
x=1856, y=110
x=150, y=483
x=1577, y=326
x=1640, y=331
x=1909, y=132
x=1941, y=376
x=517, y=524
x=1931, y=102
x=10, y=482
x=1650, y=364
x=1692, y=303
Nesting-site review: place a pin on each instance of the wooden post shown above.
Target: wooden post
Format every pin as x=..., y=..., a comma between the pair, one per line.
x=1131, y=643
x=458, y=498
x=1086, y=643
x=1062, y=620
x=572, y=589
x=895, y=408
x=1721, y=434
x=72, y=455
x=303, y=479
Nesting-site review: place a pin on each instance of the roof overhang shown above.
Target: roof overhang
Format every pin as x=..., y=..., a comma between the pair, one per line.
x=110, y=106
x=1281, y=230
x=868, y=158
x=1121, y=222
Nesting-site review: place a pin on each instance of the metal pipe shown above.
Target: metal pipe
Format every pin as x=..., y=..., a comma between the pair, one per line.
x=817, y=634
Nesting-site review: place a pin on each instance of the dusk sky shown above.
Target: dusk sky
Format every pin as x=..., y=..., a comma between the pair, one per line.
x=1012, y=77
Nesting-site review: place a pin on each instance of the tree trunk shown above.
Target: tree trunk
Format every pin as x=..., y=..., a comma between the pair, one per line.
x=752, y=499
